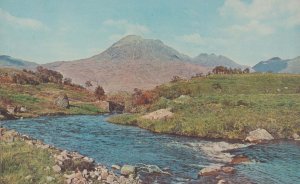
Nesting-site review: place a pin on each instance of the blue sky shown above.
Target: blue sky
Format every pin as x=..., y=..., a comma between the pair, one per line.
x=245, y=30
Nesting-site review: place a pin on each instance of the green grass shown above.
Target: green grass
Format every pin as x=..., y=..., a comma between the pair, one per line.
x=242, y=104
x=85, y=108
x=39, y=99
x=19, y=160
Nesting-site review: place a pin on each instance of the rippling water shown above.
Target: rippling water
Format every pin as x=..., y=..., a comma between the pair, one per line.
x=115, y=144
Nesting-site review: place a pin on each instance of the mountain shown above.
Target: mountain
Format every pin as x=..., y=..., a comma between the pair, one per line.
x=293, y=66
x=10, y=62
x=278, y=65
x=132, y=62
x=212, y=60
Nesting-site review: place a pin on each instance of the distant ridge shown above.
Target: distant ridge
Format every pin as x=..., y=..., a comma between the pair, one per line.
x=278, y=65
x=212, y=60
x=11, y=62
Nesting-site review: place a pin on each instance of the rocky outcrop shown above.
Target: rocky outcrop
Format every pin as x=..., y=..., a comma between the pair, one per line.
x=62, y=101
x=161, y=114
x=259, y=135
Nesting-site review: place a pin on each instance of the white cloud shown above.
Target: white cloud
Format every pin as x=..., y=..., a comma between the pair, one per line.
x=19, y=21
x=193, y=38
x=254, y=27
x=126, y=28
x=262, y=16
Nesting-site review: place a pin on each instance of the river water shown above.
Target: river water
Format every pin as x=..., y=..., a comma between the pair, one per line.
x=183, y=157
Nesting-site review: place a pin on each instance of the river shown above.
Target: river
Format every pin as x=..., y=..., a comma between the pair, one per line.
x=183, y=157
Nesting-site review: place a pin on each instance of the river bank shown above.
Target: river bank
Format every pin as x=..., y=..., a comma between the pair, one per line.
x=57, y=166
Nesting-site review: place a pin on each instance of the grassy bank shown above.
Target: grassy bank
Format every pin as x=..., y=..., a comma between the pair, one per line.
x=39, y=99
x=225, y=106
x=25, y=164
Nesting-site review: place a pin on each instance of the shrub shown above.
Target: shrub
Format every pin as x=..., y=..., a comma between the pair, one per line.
x=88, y=84
x=143, y=97
x=100, y=93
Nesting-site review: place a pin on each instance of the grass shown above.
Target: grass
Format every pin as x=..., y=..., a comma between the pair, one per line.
x=237, y=105
x=19, y=160
x=39, y=99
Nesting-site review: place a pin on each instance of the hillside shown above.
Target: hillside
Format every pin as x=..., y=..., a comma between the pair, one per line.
x=224, y=106
x=10, y=62
x=132, y=62
x=212, y=60
x=278, y=65
x=38, y=98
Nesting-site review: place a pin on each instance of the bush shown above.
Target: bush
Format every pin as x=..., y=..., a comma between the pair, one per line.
x=100, y=93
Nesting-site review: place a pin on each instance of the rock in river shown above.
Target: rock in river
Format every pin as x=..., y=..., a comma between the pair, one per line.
x=210, y=171
x=128, y=169
x=239, y=159
x=259, y=135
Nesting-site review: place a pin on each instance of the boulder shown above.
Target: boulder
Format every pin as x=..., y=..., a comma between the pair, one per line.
x=11, y=109
x=62, y=101
x=210, y=171
x=228, y=169
x=23, y=109
x=29, y=177
x=116, y=167
x=56, y=168
x=222, y=182
x=239, y=159
x=104, y=105
x=161, y=114
x=296, y=136
x=126, y=170
x=110, y=179
x=259, y=135
x=49, y=178
x=104, y=174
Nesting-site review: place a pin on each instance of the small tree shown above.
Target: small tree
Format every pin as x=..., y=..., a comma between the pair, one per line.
x=99, y=93
x=88, y=84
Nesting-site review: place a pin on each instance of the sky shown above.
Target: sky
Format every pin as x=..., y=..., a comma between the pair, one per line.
x=246, y=31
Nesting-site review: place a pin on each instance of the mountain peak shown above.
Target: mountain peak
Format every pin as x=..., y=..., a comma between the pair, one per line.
x=275, y=58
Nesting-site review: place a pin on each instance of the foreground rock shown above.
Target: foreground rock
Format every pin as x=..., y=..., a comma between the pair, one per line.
x=62, y=101
x=259, y=135
x=161, y=114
